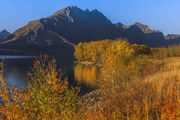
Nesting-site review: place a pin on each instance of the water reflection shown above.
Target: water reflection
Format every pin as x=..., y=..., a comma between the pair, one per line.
x=15, y=71
x=84, y=74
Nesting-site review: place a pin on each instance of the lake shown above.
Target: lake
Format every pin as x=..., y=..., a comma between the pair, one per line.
x=82, y=76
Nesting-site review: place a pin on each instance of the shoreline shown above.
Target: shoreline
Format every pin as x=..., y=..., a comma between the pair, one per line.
x=87, y=63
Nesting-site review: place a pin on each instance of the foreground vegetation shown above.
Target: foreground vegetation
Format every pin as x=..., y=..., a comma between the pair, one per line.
x=135, y=83
x=47, y=96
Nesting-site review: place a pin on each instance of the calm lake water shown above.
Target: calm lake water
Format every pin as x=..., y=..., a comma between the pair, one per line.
x=16, y=68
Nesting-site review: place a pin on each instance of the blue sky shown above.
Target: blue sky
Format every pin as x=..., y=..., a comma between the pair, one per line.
x=158, y=14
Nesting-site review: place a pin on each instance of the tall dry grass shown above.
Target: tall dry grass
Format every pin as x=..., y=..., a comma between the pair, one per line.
x=152, y=97
x=166, y=83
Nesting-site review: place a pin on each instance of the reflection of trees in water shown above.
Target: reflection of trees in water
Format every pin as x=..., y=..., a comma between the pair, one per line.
x=1, y=67
x=86, y=74
x=15, y=71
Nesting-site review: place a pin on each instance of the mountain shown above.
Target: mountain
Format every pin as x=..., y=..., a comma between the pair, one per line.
x=172, y=36
x=173, y=39
x=141, y=34
x=4, y=34
x=58, y=33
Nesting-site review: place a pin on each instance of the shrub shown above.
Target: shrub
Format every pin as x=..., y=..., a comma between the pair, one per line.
x=141, y=49
x=172, y=51
x=47, y=96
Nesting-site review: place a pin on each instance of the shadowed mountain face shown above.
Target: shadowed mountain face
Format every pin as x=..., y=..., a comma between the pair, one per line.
x=141, y=34
x=4, y=34
x=58, y=33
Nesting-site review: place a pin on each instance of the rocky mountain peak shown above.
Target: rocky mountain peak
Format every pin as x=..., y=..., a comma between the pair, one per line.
x=68, y=10
x=145, y=28
x=172, y=36
x=4, y=34
x=75, y=14
x=4, y=31
x=121, y=26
